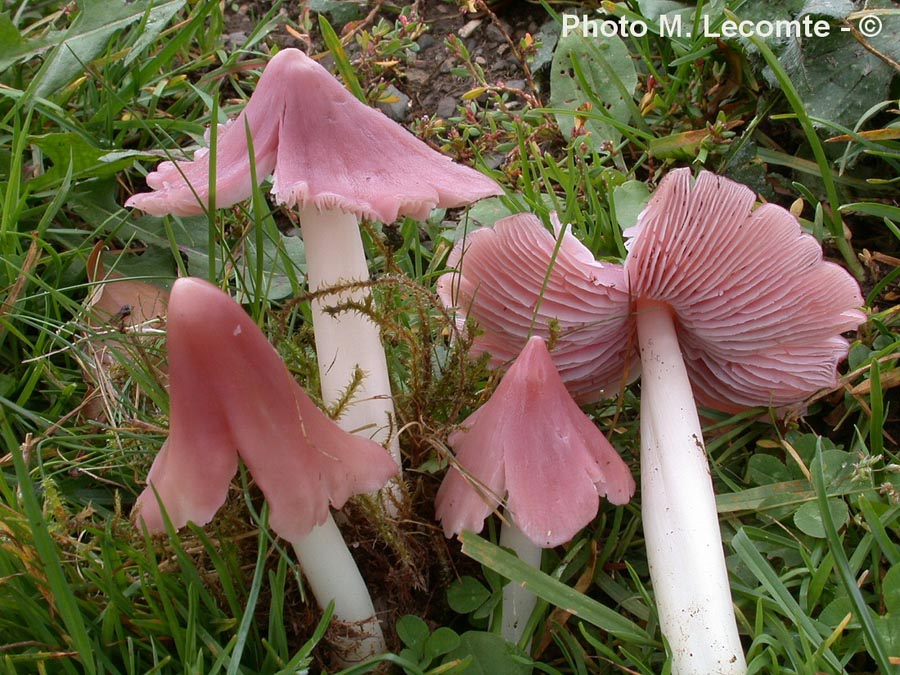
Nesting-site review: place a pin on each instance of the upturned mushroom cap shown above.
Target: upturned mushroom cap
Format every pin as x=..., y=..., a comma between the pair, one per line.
x=533, y=443
x=758, y=312
x=583, y=308
x=230, y=395
x=325, y=149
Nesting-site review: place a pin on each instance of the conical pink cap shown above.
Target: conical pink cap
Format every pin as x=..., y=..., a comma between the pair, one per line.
x=500, y=281
x=325, y=149
x=531, y=443
x=759, y=314
x=230, y=395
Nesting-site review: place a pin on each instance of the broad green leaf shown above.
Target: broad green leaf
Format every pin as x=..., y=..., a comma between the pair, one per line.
x=840, y=94
x=442, y=641
x=486, y=212
x=189, y=233
x=631, y=198
x=836, y=610
x=15, y=47
x=340, y=11
x=8, y=384
x=778, y=495
x=808, y=517
x=95, y=23
x=653, y=9
x=155, y=264
x=548, y=36
x=888, y=628
x=413, y=632
x=836, y=462
x=467, y=594
x=766, y=469
x=836, y=76
x=595, y=75
x=490, y=654
x=769, y=10
x=891, y=585
x=87, y=160
x=283, y=258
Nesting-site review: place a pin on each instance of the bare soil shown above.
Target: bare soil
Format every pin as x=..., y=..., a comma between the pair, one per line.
x=429, y=84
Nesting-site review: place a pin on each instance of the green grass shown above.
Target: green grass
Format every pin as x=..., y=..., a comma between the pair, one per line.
x=810, y=507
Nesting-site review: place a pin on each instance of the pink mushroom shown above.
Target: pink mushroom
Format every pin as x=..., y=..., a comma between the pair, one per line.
x=736, y=308
x=231, y=395
x=337, y=160
x=531, y=444
x=514, y=283
x=516, y=280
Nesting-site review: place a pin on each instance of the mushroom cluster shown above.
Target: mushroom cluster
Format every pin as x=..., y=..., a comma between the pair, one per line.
x=531, y=443
x=724, y=298
x=727, y=305
x=337, y=161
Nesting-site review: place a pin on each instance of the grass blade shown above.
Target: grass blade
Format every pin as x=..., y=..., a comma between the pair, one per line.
x=763, y=571
x=60, y=589
x=862, y=611
x=551, y=590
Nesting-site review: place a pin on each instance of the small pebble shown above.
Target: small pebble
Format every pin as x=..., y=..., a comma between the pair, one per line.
x=495, y=33
x=494, y=160
x=446, y=107
x=397, y=110
x=469, y=28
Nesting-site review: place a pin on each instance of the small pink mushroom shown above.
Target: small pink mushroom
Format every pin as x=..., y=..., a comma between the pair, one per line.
x=231, y=395
x=531, y=444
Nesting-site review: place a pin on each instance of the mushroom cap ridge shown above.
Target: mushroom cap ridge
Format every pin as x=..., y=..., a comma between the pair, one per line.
x=583, y=307
x=759, y=313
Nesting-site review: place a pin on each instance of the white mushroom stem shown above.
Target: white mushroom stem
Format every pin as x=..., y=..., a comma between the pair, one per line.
x=681, y=525
x=332, y=574
x=348, y=340
x=518, y=602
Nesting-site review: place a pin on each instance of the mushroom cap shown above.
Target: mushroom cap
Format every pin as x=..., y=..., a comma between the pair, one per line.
x=758, y=312
x=230, y=395
x=582, y=310
x=532, y=442
x=324, y=147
